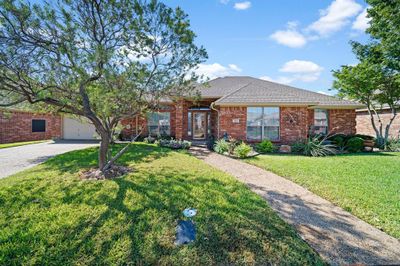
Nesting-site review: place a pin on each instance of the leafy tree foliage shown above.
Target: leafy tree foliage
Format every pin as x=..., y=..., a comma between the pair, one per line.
x=104, y=60
x=375, y=80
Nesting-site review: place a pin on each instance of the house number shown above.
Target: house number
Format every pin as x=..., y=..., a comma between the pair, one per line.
x=236, y=121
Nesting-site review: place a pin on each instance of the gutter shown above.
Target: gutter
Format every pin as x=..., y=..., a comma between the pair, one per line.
x=213, y=108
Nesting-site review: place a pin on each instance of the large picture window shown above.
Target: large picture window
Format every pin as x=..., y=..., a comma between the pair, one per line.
x=263, y=123
x=321, y=121
x=159, y=124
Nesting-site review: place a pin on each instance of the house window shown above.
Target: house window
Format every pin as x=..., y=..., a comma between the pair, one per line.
x=159, y=124
x=38, y=125
x=263, y=123
x=321, y=121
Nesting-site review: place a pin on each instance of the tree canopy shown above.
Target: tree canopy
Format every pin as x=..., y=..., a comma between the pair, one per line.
x=105, y=60
x=375, y=80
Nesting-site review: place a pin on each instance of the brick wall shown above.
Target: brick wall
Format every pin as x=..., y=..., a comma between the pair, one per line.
x=364, y=125
x=294, y=124
x=16, y=126
x=342, y=121
x=181, y=119
x=233, y=121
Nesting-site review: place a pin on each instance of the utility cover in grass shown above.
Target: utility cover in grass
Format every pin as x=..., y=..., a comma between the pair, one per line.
x=185, y=232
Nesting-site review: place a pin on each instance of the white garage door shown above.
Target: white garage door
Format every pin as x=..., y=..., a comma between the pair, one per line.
x=74, y=128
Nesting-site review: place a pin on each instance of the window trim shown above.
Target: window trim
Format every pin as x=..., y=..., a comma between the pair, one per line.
x=263, y=125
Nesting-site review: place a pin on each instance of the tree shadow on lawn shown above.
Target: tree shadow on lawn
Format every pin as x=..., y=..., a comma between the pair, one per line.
x=73, y=162
x=133, y=218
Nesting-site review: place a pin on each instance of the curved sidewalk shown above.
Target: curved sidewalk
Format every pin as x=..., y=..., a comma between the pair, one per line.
x=339, y=237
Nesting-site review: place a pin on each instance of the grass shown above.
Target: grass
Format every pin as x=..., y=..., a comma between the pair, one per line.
x=367, y=185
x=49, y=216
x=15, y=144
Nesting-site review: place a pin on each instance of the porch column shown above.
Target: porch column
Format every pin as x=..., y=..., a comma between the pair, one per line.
x=181, y=119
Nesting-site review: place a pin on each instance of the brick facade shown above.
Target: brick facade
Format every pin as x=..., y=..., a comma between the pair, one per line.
x=232, y=120
x=364, y=125
x=16, y=126
x=342, y=121
x=295, y=122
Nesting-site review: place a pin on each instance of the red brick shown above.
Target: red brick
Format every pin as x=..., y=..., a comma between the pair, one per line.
x=16, y=126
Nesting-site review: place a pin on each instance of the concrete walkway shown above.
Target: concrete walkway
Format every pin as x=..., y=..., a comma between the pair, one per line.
x=339, y=237
x=15, y=159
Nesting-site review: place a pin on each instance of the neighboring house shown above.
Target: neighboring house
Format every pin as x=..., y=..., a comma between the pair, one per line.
x=18, y=125
x=364, y=125
x=249, y=109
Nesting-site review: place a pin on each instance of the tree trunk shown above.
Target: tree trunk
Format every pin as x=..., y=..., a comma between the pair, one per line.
x=103, y=151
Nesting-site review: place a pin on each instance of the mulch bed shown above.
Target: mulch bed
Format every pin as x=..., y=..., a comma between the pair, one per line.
x=114, y=171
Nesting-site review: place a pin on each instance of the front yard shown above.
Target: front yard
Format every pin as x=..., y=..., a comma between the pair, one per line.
x=367, y=185
x=49, y=216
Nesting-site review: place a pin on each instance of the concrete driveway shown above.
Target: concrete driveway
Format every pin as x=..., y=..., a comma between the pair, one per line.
x=13, y=160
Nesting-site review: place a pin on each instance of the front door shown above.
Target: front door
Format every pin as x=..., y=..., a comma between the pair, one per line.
x=199, y=125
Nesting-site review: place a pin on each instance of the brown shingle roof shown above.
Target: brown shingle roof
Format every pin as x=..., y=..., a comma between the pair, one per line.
x=251, y=91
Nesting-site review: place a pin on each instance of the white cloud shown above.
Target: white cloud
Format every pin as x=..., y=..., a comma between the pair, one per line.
x=297, y=70
x=289, y=37
x=242, y=5
x=335, y=17
x=224, y=1
x=300, y=66
x=362, y=21
x=216, y=70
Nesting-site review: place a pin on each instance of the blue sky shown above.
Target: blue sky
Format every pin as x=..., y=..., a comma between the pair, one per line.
x=287, y=41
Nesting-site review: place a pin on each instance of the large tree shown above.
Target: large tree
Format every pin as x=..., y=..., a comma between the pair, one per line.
x=375, y=80
x=104, y=60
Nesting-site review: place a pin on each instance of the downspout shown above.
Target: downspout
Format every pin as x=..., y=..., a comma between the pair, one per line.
x=213, y=108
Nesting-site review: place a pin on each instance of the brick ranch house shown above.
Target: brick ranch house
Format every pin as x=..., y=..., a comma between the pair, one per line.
x=244, y=108
x=248, y=109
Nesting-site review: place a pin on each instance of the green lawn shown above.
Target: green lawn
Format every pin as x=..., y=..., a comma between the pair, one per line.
x=49, y=216
x=15, y=144
x=367, y=185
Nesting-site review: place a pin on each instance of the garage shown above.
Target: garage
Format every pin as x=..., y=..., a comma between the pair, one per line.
x=78, y=128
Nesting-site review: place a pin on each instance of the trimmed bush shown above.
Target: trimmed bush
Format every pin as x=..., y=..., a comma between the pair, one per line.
x=340, y=142
x=149, y=139
x=174, y=144
x=242, y=150
x=221, y=146
x=265, y=146
x=355, y=144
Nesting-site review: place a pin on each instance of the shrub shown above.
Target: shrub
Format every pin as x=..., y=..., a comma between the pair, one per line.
x=298, y=147
x=149, y=139
x=314, y=147
x=221, y=146
x=242, y=150
x=174, y=144
x=232, y=144
x=265, y=146
x=393, y=145
x=355, y=144
x=340, y=142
